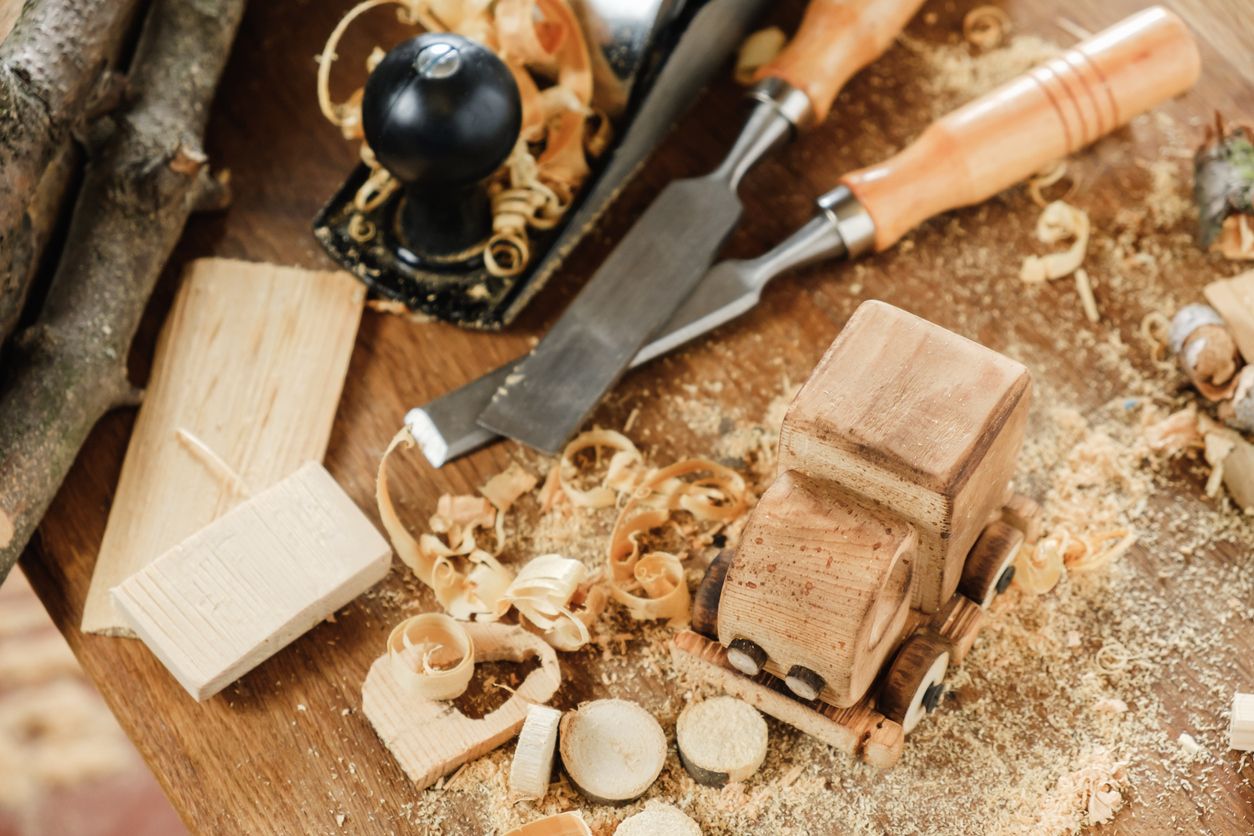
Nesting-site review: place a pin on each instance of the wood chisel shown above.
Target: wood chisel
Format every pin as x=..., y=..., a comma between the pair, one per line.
x=663, y=256
x=966, y=157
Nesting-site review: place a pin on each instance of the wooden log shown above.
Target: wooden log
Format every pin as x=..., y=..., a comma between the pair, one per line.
x=918, y=420
x=241, y=589
x=821, y=582
x=244, y=389
x=858, y=730
x=146, y=175
x=430, y=739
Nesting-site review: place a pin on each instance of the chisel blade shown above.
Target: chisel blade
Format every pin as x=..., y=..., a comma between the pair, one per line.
x=656, y=265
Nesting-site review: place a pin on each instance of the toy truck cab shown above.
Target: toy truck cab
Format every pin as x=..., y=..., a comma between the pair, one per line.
x=884, y=522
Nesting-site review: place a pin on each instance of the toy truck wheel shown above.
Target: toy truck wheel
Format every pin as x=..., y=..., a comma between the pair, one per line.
x=990, y=564
x=705, y=601
x=914, y=684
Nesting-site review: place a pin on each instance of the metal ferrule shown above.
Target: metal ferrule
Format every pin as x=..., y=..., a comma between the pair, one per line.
x=851, y=220
x=779, y=111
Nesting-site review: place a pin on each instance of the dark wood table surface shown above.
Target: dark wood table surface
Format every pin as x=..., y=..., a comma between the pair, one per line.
x=250, y=762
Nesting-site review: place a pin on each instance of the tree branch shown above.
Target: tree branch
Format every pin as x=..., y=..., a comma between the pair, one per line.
x=135, y=199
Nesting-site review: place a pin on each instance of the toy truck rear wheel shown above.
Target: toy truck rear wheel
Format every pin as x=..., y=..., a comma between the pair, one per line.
x=915, y=681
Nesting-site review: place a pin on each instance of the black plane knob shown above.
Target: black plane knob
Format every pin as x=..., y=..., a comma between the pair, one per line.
x=442, y=113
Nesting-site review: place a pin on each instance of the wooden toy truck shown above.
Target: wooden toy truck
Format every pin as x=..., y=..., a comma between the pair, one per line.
x=864, y=571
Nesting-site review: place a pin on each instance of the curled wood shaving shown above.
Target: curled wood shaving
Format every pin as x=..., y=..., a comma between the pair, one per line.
x=1059, y=222
x=1045, y=178
x=623, y=473
x=1099, y=550
x=475, y=591
x=717, y=494
x=432, y=656
x=1236, y=238
x=1094, y=789
x=1039, y=568
x=1156, y=329
x=986, y=27
x=504, y=489
x=757, y=50
x=544, y=593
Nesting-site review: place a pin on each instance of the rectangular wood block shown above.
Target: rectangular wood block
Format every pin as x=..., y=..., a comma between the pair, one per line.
x=244, y=388
x=1241, y=732
x=234, y=593
x=924, y=422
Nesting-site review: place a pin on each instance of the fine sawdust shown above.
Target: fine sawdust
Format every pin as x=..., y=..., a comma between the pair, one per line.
x=1071, y=707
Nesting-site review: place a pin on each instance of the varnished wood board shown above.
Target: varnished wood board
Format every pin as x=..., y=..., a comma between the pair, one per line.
x=243, y=587
x=245, y=385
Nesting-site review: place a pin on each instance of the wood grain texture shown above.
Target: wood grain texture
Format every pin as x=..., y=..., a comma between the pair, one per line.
x=835, y=40
x=245, y=385
x=921, y=422
x=242, y=588
x=822, y=581
x=1052, y=110
x=253, y=763
x=428, y=738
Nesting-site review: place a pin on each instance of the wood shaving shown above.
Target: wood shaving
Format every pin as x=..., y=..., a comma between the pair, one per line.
x=570, y=823
x=432, y=656
x=1043, y=179
x=544, y=593
x=1089, y=795
x=1059, y=222
x=986, y=27
x=756, y=51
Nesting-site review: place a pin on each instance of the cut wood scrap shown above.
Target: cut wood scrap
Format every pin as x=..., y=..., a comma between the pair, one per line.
x=532, y=767
x=570, y=823
x=230, y=596
x=245, y=384
x=858, y=730
x=1241, y=730
x=612, y=750
x=1233, y=299
x=430, y=739
x=720, y=740
x=658, y=819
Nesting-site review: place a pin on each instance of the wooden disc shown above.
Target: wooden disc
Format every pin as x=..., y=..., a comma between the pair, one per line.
x=992, y=555
x=658, y=819
x=613, y=750
x=532, y=767
x=916, y=674
x=705, y=600
x=721, y=740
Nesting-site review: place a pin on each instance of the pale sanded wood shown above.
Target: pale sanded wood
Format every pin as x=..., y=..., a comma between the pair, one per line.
x=430, y=739
x=835, y=40
x=242, y=588
x=1234, y=300
x=244, y=388
x=858, y=730
x=822, y=581
x=923, y=422
x=1045, y=114
x=1241, y=729
x=612, y=750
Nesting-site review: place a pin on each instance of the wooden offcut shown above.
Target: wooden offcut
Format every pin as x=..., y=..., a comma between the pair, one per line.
x=919, y=420
x=1241, y=729
x=1234, y=300
x=236, y=592
x=244, y=388
x=429, y=738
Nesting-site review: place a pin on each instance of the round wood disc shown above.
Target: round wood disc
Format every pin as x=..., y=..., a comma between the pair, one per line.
x=720, y=740
x=613, y=750
x=658, y=819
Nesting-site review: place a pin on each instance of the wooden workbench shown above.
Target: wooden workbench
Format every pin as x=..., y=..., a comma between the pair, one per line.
x=287, y=751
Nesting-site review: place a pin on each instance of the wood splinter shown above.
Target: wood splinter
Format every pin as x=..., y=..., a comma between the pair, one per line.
x=721, y=740
x=613, y=750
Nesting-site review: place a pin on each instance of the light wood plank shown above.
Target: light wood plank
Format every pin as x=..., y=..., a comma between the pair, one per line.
x=242, y=588
x=245, y=383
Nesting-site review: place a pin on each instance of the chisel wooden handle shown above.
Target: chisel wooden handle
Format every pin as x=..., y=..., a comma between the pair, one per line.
x=835, y=40
x=1044, y=114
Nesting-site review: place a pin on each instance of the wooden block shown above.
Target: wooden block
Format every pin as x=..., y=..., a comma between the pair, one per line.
x=233, y=594
x=858, y=730
x=924, y=422
x=959, y=622
x=1234, y=300
x=1241, y=731
x=822, y=581
x=244, y=388
x=430, y=739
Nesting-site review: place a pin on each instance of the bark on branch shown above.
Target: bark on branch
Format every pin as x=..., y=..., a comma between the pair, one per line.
x=138, y=190
x=51, y=66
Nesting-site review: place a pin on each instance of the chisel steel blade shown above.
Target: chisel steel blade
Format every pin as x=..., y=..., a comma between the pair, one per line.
x=550, y=394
